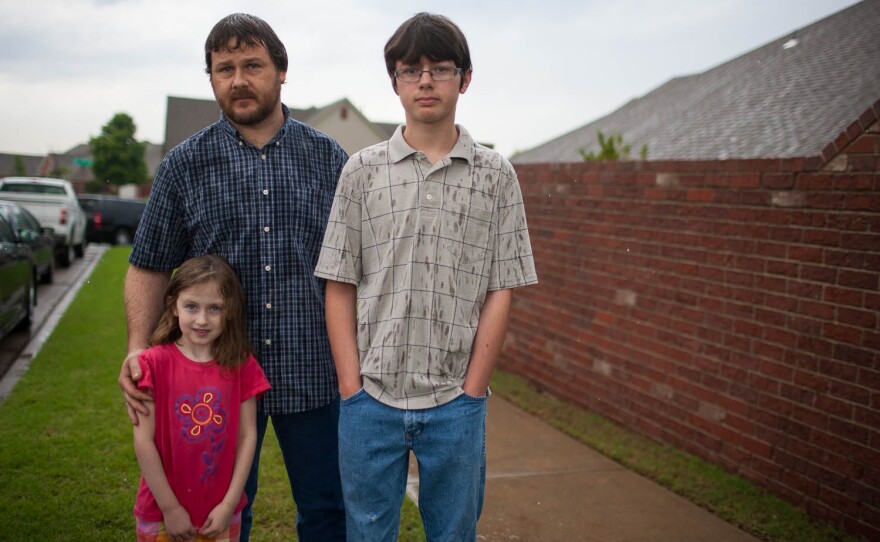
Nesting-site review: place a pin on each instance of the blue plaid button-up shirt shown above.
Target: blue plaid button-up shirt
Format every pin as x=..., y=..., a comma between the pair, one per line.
x=264, y=210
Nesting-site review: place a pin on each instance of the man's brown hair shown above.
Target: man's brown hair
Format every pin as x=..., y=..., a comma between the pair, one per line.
x=245, y=31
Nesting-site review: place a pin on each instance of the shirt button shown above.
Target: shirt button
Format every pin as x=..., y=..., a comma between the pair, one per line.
x=268, y=342
x=265, y=192
x=266, y=229
x=263, y=156
x=268, y=305
x=429, y=197
x=268, y=268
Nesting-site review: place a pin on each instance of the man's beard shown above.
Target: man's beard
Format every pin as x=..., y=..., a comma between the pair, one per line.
x=256, y=116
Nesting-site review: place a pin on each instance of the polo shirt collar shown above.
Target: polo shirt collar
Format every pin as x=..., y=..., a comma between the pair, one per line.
x=398, y=148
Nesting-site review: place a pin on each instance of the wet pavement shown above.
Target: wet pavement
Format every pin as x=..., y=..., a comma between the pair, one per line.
x=544, y=486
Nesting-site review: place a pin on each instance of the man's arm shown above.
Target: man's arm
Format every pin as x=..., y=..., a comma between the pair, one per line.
x=487, y=342
x=341, y=306
x=143, y=306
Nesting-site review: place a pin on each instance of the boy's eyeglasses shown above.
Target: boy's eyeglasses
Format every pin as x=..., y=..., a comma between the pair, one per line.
x=413, y=75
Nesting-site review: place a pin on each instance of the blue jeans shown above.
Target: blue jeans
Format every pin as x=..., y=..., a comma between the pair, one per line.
x=449, y=442
x=309, y=447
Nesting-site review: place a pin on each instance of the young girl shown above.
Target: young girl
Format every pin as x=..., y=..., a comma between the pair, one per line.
x=196, y=446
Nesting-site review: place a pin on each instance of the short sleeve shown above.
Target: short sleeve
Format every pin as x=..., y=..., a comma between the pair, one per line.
x=513, y=264
x=160, y=243
x=253, y=381
x=340, y=258
x=147, y=362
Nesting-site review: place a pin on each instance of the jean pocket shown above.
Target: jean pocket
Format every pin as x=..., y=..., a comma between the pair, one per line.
x=349, y=400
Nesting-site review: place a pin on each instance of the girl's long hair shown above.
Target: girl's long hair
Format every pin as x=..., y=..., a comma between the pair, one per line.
x=231, y=348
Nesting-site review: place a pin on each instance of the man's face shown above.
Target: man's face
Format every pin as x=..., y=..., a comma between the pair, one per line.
x=428, y=101
x=246, y=83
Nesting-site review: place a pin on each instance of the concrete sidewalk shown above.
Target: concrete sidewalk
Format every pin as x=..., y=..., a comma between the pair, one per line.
x=543, y=486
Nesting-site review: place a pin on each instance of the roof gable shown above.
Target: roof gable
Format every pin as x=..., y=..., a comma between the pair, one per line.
x=788, y=98
x=341, y=120
x=187, y=116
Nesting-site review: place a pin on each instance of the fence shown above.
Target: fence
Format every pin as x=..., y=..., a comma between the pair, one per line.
x=729, y=308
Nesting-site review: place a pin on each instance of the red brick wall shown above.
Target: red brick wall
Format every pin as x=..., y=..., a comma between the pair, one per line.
x=729, y=308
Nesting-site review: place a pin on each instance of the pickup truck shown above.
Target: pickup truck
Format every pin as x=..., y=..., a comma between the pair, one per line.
x=54, y=203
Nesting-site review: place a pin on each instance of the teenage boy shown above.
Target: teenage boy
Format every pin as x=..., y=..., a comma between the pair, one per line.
x=427, y=236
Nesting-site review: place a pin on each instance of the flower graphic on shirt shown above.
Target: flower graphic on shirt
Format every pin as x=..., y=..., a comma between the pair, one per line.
x=201, y=415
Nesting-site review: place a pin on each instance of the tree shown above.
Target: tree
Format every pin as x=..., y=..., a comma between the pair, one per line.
x=118, y=156
x=18, y=167
x=611, y=148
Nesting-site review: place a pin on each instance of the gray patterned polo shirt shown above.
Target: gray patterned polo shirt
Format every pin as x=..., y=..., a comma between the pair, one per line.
x=424, y=243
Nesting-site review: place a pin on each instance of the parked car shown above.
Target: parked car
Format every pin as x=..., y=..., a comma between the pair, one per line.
x=111, y=219
x=27, y=229
x=18, y=281
x=54, y=203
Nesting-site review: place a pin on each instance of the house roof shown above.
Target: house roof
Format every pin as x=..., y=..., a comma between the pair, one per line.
x=186, y=116
x=30, y=163
x=788, y=98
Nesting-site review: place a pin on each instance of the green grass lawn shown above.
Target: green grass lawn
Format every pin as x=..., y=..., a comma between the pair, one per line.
x=67, y=467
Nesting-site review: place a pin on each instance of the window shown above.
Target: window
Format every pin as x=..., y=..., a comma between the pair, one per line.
x=6, y=235
x=34, y=189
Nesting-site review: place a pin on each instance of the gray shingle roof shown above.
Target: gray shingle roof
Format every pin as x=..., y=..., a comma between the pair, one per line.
x=186, y=116
x=788, y=98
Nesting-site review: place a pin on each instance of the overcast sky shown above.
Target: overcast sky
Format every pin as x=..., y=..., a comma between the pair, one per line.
x=541, y=68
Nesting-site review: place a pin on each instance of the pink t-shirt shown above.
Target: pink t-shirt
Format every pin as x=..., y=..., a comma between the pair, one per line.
x=197, y=414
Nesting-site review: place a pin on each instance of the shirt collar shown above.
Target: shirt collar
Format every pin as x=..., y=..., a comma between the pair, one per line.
x=398, y=148
x=227, y=126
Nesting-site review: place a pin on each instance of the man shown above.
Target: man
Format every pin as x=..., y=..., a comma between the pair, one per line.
x=426, y=238
x=256, y=188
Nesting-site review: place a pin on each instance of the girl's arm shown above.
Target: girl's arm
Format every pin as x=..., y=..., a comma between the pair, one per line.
x=218, y=519
x=176, y=518
x=487, y=344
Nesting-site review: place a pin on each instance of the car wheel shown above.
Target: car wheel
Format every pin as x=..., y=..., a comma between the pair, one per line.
x=29, y=304
x=122, y=237
x=49, y=276
x=65, y=256
x=78, y=248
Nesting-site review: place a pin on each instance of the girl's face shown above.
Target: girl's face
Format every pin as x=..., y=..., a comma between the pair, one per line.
x=199, y=310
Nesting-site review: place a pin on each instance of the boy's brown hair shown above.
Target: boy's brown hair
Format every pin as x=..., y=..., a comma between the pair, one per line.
x=430, y=35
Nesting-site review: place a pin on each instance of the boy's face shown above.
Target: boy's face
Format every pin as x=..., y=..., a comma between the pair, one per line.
x=427, y=101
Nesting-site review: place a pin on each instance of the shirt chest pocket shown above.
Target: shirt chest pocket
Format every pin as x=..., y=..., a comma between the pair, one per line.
x=465, y=233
